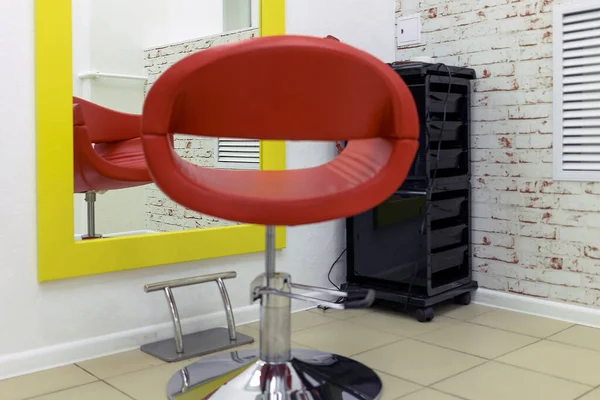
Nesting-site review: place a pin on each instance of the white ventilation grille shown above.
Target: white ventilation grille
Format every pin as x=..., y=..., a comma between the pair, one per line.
x=577, y=91
x=237, y=153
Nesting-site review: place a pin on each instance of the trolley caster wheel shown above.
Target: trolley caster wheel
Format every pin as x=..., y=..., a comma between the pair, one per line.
x=424, y=314
x=464, y=299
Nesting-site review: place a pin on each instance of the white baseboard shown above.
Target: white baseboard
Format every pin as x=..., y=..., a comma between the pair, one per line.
x=576, y=314
x=44, y=358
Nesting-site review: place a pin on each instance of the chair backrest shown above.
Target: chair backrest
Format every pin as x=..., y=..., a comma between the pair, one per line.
x=287, y=87
x=106, y=125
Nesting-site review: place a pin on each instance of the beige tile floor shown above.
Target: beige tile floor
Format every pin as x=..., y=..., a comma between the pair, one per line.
x=472, y=352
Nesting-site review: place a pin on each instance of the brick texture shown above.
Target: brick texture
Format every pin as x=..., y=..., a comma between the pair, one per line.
x=531, y=235
x=164, y=215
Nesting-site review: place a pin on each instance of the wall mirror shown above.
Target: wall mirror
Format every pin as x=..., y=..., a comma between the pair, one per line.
x=108, y=53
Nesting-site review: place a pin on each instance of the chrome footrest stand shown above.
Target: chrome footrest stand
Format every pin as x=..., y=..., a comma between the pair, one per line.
x=183, y=347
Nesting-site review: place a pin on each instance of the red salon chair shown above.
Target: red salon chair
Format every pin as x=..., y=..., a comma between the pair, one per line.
x=107, y=153
x=282, y=88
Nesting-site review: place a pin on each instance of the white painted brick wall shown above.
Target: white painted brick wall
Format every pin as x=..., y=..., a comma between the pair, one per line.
x=164, y=215
x=531, y=235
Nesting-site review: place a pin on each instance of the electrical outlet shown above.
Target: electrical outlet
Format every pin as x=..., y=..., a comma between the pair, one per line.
x=409, y=30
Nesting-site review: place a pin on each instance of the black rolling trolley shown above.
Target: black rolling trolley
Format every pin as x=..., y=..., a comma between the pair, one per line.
x=414, y=249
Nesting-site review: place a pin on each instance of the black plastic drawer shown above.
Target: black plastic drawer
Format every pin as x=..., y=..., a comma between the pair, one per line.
x=450, y=236
x=450, y=258
x=441, y=184
x=399, y=208
x=449, y=159
x=456, y=103
x=455, y=131
x=452, y=183
x=448, y=208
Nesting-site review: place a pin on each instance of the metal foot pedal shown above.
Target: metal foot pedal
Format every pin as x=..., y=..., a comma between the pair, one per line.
x=199, y=343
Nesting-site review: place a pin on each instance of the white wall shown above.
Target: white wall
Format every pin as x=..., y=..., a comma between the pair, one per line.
x=367, y=25
x=254, y=12
x=237, y=14
x=113, y=307
x=192, y=18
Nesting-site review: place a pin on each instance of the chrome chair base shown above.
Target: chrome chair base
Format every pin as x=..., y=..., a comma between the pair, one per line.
x=310, y=375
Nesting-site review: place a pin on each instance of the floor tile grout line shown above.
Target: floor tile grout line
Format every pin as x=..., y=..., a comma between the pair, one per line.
x=402, y=336
x=449, y=394
x=61, y=390
x=539, y=339
x=88, y=372
x=561, y=331
x=399, y=377
x=416, y=339
x=430, y=386
x=332, y=319
x=119, y=375
x=552, y=341
x=119, y=390
x=549, y=339
x=493, y=309
x=585, y=394
x=518, y=349
x=470, y=321
x=572, y=345
x=469, y=354
x=146, y=369
x=487, y=360
x=484, y=361
x=544, y=373
x=418, y=390
x=400, y=339
x=315, y=326
x=467, y=320
x=507, y=330
x=514, y=366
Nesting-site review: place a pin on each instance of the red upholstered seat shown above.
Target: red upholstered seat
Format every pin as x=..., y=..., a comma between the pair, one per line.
x=283, y=88
x=107, y=149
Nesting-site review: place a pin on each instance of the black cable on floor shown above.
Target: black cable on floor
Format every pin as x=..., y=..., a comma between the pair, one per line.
x=340, y=299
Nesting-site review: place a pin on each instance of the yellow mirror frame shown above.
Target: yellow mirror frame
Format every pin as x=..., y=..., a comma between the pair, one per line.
x=59, y=255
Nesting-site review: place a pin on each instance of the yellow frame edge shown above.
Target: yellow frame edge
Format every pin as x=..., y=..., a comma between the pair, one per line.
x=59, y=255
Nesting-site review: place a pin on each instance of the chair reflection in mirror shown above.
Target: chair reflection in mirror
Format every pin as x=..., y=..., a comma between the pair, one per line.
x=107, y=154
